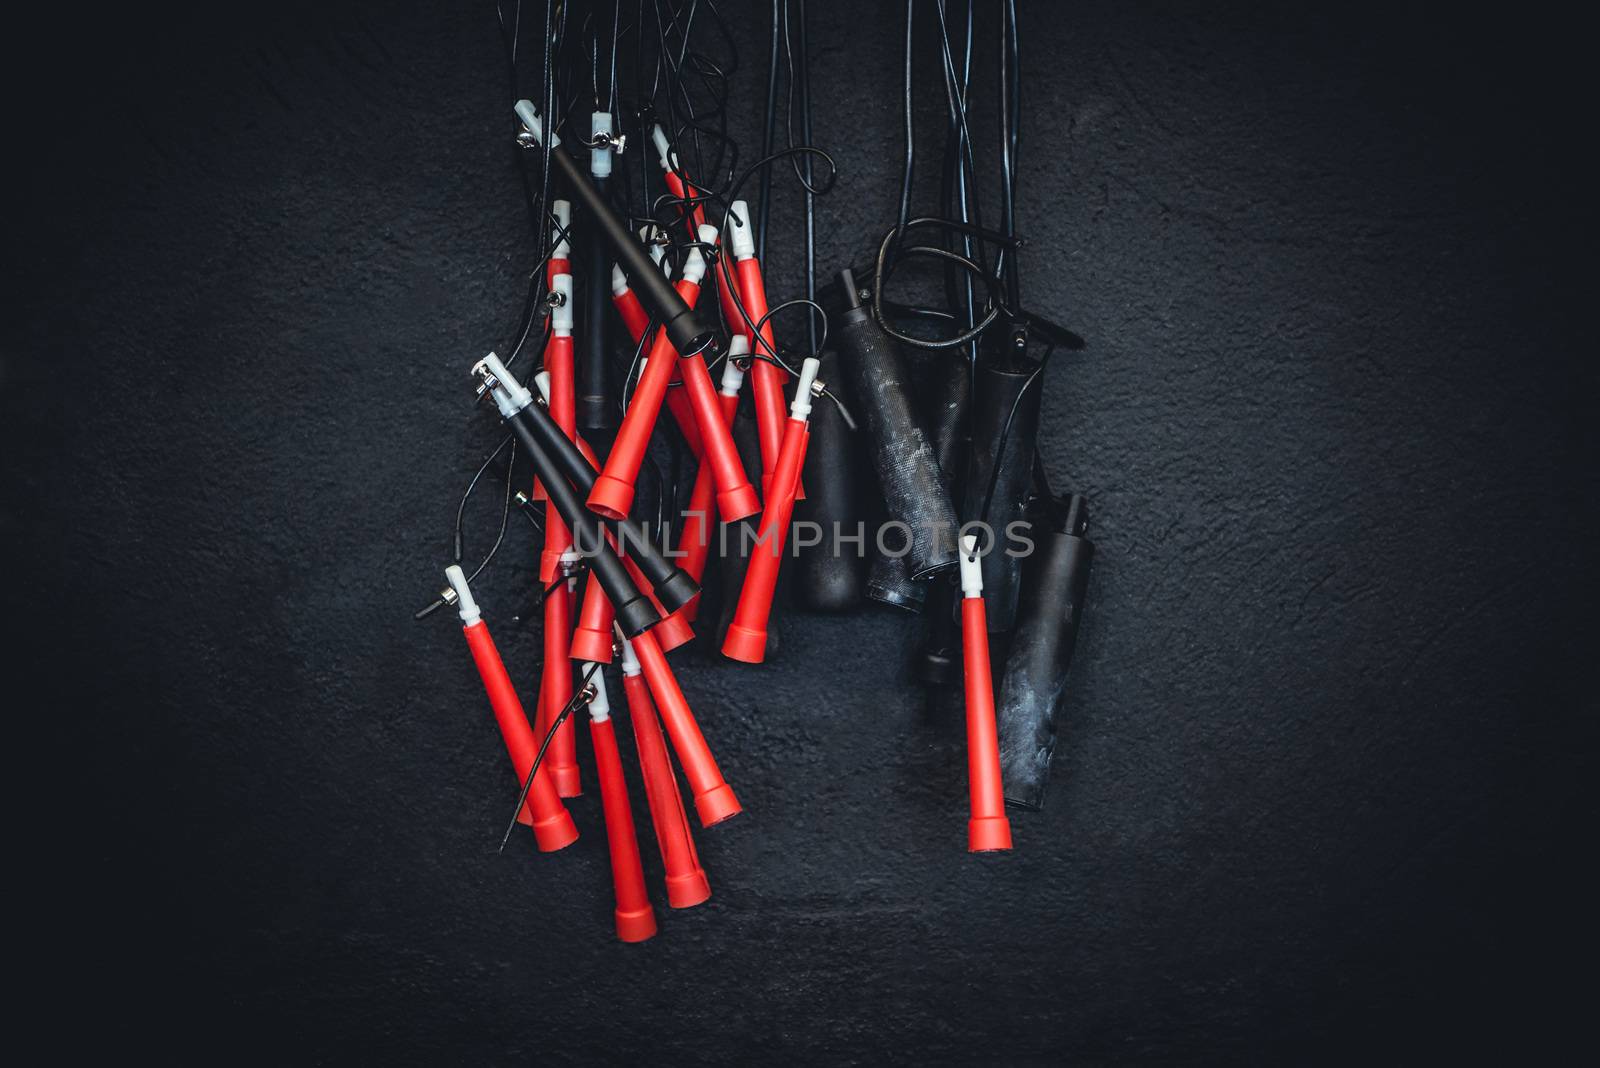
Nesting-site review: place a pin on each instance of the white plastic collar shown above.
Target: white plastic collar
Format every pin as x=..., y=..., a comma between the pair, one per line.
x=732, y=373
x=561, y=314
x=619, y=281
x=541, y=382
x=647, y=234
x=801, y=406
x=600, y=707
x=971, y=567
x=470, y=616
x=694, y=267
x=668, y=158
x=741, y=230
x=560, y=229
x=630, y=659
x=600, y=155
x=530, y=118
x=510, y=395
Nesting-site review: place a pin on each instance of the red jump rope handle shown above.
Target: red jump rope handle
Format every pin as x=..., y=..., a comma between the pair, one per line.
x=694, y=539
x=713, y=798
x=767, y=377
x=558, y=361
x=746, y=639
x=686, y=880
x=591, y=640
x=553, y=828
x=613, y=491
x=736, y=498
x=988, y=829
x=636, y=920
x=700, y=415
x=555, y=690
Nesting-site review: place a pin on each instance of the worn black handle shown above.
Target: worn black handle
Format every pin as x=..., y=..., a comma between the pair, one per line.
x=914, y=490
x=1049, y=616
x=634, y=612
x=1005, y=418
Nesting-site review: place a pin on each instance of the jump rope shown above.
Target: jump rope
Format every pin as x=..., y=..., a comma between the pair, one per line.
x=648, y=306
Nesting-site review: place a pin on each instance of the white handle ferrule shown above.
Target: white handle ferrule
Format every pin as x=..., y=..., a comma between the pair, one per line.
x=600, y=155
x=668, y=158
x=561, y=230
x=658, y=252
x=630, y=659
x=510, y=396
x=694, y=267
x=619, y=281
x=541, y=382
x=801, y=407
x=741, y=231
x=561, y=314
x=465, y=605
x=732, y=373
x=530, y=118
x=600, y=707
x=971, y=567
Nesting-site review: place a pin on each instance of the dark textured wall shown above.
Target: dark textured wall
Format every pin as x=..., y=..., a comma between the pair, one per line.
x=1318, y=778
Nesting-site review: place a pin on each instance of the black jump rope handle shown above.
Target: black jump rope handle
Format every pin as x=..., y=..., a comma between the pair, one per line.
x=1004, y=438
x=634, y=612
x=1050, y=610
x=672, y=585
x=914, y=490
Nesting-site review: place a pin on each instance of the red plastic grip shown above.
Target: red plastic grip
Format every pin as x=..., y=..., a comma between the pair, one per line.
x=555, y=691
x=613, y=491
x=736, y=498
x=728, y=295
x=636, y=920
x=713, y=798
x=746, y=639
x=563, y=409
x=686, y=880
x=988, y=829
x=767, y=378
x=694, y=539
x=591, y=640
x=553, y=828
